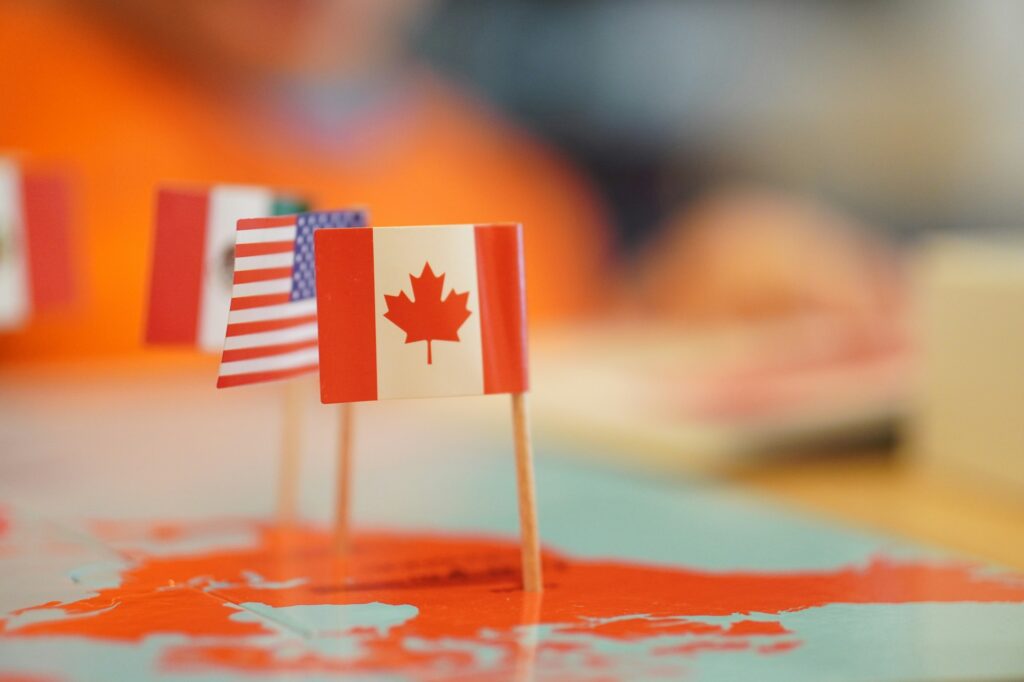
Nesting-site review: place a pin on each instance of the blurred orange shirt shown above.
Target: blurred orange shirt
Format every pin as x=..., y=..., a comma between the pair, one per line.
x=123, y=121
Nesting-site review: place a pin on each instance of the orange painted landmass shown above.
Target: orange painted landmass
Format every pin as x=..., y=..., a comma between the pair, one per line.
x=466, y=589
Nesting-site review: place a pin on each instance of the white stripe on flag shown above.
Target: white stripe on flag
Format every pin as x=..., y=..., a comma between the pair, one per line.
x=274, y=312
x=300, y=358
x=270, y=286
x=266, y=234
x=270, y=260
x=303, y=332
x=402, y=368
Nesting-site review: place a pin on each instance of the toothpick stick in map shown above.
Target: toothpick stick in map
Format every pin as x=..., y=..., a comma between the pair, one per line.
x=529, y=535
x=343, y=501
x=291, y=446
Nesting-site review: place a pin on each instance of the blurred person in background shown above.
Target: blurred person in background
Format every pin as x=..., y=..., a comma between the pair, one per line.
x=770, y=159
x=317, y=96
x=755, y=254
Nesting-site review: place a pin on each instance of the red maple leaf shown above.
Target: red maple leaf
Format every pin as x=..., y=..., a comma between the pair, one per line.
x=428, y=318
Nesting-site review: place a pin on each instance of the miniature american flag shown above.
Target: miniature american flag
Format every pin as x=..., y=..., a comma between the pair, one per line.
x=272, y=330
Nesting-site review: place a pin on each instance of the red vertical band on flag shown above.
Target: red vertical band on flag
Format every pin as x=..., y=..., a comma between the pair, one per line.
x=46, y=202
x=177, y=274
x=346, y=315
x=502, y=290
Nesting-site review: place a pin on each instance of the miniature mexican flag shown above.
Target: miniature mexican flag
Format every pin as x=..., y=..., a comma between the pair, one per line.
x=193, y=260
x=36, y=268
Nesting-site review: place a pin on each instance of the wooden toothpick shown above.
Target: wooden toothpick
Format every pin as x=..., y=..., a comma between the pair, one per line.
x=291, y=445
x=529, y=536
x=343, y=501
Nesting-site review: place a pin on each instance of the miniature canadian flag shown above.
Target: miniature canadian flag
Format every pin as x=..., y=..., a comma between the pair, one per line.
x=413, y=312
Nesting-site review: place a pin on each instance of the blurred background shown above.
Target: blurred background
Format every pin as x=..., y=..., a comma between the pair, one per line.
x=752, y=227
x=902, y=114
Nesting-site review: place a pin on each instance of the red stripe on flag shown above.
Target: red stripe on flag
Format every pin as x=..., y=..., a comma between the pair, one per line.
x=261, y=275
x=259, y=223
x=243, y=250
x=263, y=351
x=177, y=273
x=46, y=201
x=502, y=291
x=345, y=307
x=245, y=302
x=241, y=328
x=258, y=377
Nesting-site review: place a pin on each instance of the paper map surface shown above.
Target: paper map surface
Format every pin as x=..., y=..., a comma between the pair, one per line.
x=185, y=578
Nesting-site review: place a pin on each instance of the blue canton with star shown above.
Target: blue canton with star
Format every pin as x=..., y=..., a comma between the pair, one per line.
x=304, y=267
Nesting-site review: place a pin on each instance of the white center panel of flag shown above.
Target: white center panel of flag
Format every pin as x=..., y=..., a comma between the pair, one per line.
x=228, y=203
x=14, y=285
x=455, y=367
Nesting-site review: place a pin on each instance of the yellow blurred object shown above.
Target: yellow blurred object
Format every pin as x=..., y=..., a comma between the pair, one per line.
x=873, y=490
x=968, y=418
